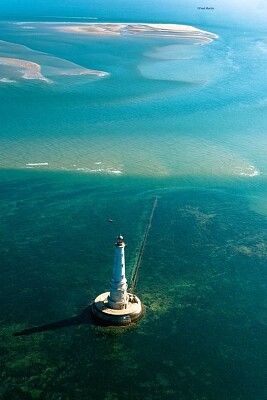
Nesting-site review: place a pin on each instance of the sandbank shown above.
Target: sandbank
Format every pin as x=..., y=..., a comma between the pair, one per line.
x=30, y=70
x=139, y=29
x=84, y=72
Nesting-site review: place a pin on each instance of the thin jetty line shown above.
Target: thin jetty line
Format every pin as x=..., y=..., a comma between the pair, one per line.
x=142, y=247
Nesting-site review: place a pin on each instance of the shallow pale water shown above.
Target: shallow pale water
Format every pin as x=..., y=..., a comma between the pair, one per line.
x=165, y=109
x=174, y=120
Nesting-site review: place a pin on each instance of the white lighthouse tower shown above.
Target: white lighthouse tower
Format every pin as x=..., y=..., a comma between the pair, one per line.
x=118, y=297
x=117, y=307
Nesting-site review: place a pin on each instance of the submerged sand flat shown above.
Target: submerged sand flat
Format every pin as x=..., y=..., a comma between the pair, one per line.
x=158, y=30
x=29, y=69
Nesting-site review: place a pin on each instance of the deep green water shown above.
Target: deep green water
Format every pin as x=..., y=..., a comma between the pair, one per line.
x=202, y=281
x=182, y=122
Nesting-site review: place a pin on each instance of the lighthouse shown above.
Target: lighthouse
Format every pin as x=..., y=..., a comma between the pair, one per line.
x=117, y=307
x=118, y=297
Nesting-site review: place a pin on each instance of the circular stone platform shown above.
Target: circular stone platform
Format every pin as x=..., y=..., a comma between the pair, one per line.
x=109, y=316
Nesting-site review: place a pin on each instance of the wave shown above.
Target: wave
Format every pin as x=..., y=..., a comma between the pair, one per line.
x=249, y=171
x=7, y=80
x=39, y=164
x=100, y=170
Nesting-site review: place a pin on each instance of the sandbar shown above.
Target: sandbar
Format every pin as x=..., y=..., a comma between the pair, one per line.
x=30, y=70
x=84, y=71
x=139, y=29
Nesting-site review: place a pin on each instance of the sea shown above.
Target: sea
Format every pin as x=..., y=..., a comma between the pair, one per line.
x=84, y=155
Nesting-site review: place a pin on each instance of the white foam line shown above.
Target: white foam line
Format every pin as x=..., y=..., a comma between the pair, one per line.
x=100, y=170
x=114, y=171
x=37, y=164
x=7, y=80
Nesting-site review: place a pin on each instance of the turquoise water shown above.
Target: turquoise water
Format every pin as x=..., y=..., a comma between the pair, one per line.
x=172, y=119
x=161, y=97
